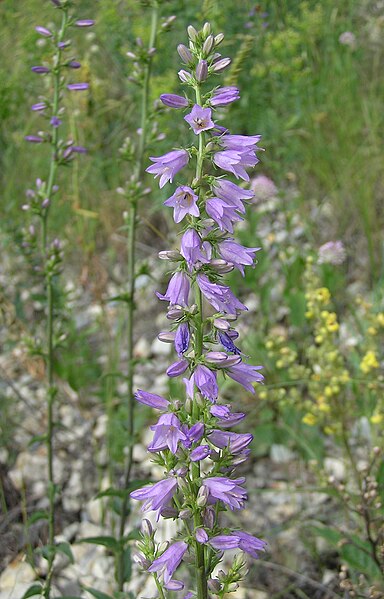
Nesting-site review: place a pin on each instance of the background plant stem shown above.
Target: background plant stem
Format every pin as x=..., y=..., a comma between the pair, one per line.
x=132, y=216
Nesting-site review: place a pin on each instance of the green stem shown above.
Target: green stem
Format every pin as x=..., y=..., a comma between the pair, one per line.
x=201, y=576
x=132, y=217
x=51, y=391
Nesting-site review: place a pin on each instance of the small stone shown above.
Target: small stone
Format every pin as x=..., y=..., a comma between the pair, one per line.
x=334, y=467
x=16, y=573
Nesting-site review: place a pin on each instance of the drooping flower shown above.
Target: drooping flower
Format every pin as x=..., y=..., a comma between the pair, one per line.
x=191, y=248
x=250, y=544
x=178, y=290
x=224, y=214
x=166, y=564
x=235, y=162
x=200, y=119
x=227, y=342
x=182, y=338
x=232, y=193
x=200, y=453
x=219, y=296
x=152, y=400
x=156, y=496
x=205, y=381
x=224, y=95
x=245, y=374
x=225, y=417
x=167, y=165
x=237, y=254
x=177, y=368
x=183, y=202
x=168, y=433
x=235, y=442
x=226, y=490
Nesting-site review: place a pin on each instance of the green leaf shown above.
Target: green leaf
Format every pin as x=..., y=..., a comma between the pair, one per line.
x=359, y=558
x=37, y=439
x=109, y=542
x=97, y=594
x=327, y=533
x=40, y=515
x=35, y=589
x=65, y=548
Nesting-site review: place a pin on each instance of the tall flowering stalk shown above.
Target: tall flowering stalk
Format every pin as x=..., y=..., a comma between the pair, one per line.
x=39, y=202
x=192, y=441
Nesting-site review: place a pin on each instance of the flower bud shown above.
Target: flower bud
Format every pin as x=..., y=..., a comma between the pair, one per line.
x=146, y=528
x=214, y=585
x=174, y=101
x=216, y=357
x=185, y=54
x=221, y=64
x=166, y=337
x=172, y=255
x=185, y=514
x=209, y=517
x=177, y=368
x=206, y=29
x=163, y=547
x=202, y=70
x=208, y=45
x=221, y=266
x=201, y=535
x=188, y=406
x=169, y=512
x=202, y=496
x=218, y=39
x=221, y=324
x=175, y=312
x=192, y=33
x=184, y=76
x=231, y=588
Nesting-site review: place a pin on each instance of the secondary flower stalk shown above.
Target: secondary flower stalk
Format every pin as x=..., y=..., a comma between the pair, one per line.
x=193, y=432
x=39, y=202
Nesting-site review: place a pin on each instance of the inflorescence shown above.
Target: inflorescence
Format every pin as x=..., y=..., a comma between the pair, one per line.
x=192, y=442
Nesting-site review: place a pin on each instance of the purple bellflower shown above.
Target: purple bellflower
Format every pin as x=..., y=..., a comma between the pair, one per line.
x=226, y=490
x=178, y=290
x=166, y=564
x=190, y=248
x=156, y=496
x=236, y=254
x=182, y=338
x=205, y=381
x=224, y=95
x=168, y=433
x=219, y=296
x=152, y=400
x=183, y=202
x=200, y=119
x=168, y=165
x=245, y=374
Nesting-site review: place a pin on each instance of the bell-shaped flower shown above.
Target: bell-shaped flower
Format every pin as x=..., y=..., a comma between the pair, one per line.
x=205, y=381
x=183, y=202
x=156, y=496
x=168, y=433
x=166, y=564
x=219, y=296
x=237, y=254
x=226, y=490
x=178, y=289
x=200, y=119
x=191, y=248
x=168, y=165
x=245, y=374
